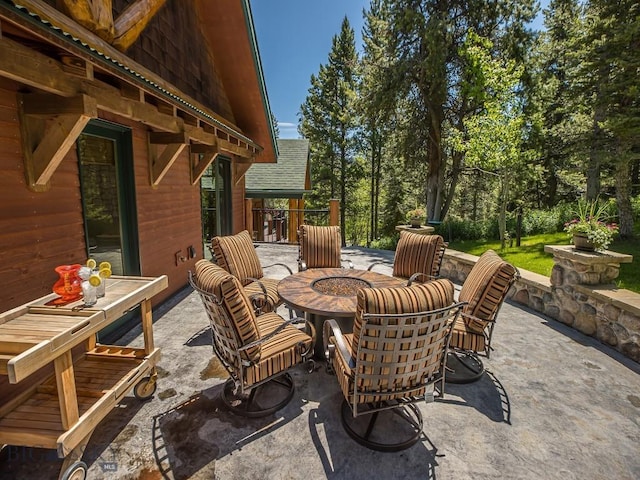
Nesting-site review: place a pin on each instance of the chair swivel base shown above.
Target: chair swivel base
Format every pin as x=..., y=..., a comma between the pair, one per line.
x=401, y=425
x=463, y=367
x=262, y=400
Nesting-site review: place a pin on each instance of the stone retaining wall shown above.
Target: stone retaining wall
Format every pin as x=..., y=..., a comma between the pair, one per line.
x=580, y=293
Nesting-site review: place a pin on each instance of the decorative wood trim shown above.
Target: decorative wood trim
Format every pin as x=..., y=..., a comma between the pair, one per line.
x=235, y=149
x=239, y=169
x=94, y=15
x=50, y=125
x=199, y=165
x=58, y=19
x=77, y=66
x=32, y=68
x=133, y=20
x=160, y=163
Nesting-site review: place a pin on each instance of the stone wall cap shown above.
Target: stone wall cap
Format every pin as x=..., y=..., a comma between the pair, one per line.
x=623, y=299
x=535, y=279
x=569, y=252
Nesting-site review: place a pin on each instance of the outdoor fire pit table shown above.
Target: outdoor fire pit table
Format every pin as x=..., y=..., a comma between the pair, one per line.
x=323, y=293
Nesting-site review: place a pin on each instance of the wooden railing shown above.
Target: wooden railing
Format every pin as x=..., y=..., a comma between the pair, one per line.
x=280, y=225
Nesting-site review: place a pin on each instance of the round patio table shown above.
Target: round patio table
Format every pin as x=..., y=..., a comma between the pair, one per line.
x=323, y=293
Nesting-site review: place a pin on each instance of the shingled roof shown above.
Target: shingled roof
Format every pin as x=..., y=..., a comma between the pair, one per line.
x=288, y=178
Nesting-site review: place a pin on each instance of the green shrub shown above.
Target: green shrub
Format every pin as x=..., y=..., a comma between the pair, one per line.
x=462, y=229
x=385, y=243
x=542, y=221
x=635, y=206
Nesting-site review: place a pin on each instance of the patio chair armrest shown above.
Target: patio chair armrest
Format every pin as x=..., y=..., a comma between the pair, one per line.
x=279, y=265
x=272, y=333
x=332, y=329
x=382, y=262
x=476, y=319
x=418, y=275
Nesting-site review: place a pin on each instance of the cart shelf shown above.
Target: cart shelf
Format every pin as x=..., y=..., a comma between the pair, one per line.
x=69, y=381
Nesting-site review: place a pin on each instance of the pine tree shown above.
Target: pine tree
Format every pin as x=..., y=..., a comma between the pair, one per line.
x=425, y=41
x=329, y=121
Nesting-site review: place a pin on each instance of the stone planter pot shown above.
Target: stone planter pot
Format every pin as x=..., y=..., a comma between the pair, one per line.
x=415, y=222
x=582, y=242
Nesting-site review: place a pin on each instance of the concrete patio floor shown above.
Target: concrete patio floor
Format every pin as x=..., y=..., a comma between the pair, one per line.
x=555, y=405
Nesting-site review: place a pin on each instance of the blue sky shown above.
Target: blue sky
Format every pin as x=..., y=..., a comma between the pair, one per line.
x=294, y=38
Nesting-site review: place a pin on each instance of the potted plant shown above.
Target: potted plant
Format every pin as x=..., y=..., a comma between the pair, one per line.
x=416, y=217
x=590, y=230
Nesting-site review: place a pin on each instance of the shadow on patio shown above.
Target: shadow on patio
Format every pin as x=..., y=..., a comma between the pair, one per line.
x=555, y=405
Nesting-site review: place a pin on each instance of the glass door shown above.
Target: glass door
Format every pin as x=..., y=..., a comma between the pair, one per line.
x=216, y=199
x=108, y=196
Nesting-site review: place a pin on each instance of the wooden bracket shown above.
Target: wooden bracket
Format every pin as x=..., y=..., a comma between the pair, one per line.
x=204, y=155
x=50, y=125
x=239, y=169
x=160, y=163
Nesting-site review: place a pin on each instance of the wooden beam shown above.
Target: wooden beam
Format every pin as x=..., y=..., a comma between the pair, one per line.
x=29, y=67
x=133, y=20
x=50, y=125
x=66, y=24
x=94, y=15
x=160, y=163
x=34, y=69
x=46, y=146
x=201, y=157
x=230, y=147
x=201, y=148
x=164, y=138
x=45, y=104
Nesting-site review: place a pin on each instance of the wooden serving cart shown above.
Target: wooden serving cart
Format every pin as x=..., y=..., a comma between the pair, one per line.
x=60, y=382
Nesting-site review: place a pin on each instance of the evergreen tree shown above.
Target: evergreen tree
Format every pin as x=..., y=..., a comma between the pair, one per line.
x=374, y=106
x=428, y=71
x=614, y=28
x=329, y=121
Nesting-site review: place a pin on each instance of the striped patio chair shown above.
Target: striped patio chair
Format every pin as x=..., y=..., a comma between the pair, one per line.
x=483, y=291
x=418, y=257
x=257, y=351
x=237, y=255
x=395, y=357
x=320, y=247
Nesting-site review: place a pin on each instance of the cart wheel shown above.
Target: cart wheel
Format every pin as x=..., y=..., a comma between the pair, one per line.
x=145, y=388
x=77, y=471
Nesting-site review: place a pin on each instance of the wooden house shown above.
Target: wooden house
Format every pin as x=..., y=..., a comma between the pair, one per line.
x=110, y=113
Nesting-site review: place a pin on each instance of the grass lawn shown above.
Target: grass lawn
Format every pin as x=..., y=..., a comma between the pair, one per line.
x=531, y=256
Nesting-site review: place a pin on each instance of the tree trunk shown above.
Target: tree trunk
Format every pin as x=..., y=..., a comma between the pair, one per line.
x=434, y=161
x=502, y=218
x=343, y=193
x=623, y=198
x=593, y=169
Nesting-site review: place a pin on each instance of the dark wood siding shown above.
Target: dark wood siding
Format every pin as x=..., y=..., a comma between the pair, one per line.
x=169, y=218
x=238, y=206
x=38, y=231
